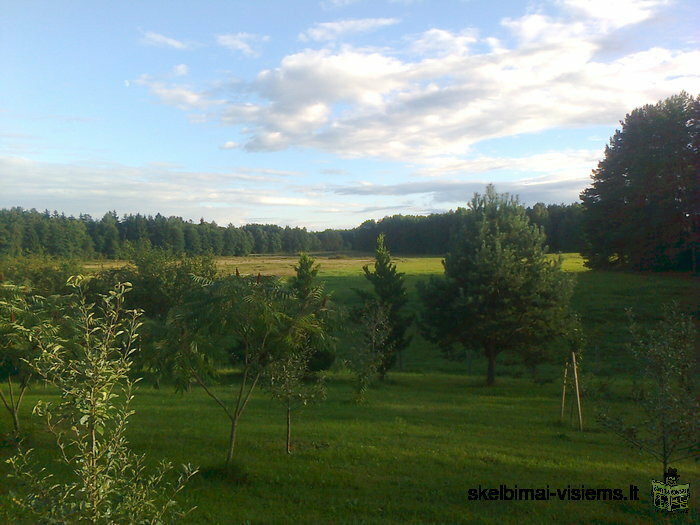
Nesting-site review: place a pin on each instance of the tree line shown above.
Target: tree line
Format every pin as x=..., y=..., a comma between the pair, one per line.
x=27, y=232
x=30, y=232
x=641, y=212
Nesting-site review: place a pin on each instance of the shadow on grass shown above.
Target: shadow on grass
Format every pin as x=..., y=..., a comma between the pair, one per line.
x=234, y=474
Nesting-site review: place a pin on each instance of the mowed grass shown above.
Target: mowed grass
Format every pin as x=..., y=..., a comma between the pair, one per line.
x=426, y=435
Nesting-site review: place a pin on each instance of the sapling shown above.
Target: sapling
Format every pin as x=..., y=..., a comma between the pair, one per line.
x=666, y=424
x=368, y=356
x=18, y=311
x=87, y=355
x=289, y=382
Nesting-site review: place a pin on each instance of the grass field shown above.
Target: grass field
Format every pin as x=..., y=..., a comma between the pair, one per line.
x=427, y=435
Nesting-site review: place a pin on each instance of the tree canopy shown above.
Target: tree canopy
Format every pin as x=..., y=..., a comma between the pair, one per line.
x=500, y=291
x=642, y=210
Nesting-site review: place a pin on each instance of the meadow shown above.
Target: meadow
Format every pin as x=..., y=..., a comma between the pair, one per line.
x=426, y=435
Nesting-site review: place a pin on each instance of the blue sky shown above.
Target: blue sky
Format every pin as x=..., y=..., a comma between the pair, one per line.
x=323, y=113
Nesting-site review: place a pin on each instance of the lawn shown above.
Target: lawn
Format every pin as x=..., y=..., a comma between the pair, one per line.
x=424, y=438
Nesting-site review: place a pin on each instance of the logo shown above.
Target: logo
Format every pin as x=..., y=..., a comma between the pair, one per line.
x=669, y=495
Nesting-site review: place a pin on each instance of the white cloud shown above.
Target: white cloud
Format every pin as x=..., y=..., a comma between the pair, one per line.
x=551, y=177
x=566, y=163
x=157, y=187
x=180, y=70
x=432, y=109
x=180, y=96
x=156, y=39
x=242, y=42
x=229, y=144
x=335, y=30
x=549, y=189
x=444, y=43
x=615, y=14
x=272, y=172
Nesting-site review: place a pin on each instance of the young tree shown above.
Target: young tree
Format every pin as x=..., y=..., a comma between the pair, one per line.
x=288, y=381
x=254, y=322
x=500, y=290
x=311, y=297
x=90, y=366
x=389, y=289
x=668, y=425
x=368, y=356
x=18, y=313
x=289, y=378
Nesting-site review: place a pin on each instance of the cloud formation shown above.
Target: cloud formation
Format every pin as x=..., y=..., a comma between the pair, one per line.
x=456, y=88
x=180, y=70
x=539, y=189
x=156, y=39
x=245, y=43
x=336, y=30
x=157, y=187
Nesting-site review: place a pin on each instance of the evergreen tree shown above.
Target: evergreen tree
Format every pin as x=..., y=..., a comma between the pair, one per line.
x=642, y=208
x=312, y=298
x=389, y=289
x=500, y=291
x=109, y=235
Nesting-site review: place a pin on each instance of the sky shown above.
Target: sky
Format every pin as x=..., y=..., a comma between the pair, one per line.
x=325, y=113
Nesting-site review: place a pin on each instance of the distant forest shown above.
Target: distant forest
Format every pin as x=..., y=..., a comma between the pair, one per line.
x=24, y=232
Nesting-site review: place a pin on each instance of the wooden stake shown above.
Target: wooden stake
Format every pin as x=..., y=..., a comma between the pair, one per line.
x=578, y=392
x=563, y=391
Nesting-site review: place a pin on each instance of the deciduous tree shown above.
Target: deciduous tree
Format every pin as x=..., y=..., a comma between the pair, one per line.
x=667, y=425
x=90, y=363
x=251, y=322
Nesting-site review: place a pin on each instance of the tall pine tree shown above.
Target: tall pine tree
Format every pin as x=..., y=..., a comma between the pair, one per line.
x=642, y=210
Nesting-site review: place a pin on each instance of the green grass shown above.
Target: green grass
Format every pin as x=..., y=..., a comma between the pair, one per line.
x=426, y=435
x=408, y=456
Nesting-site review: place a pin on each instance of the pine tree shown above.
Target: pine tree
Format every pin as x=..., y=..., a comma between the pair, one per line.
x=500, y=290
x=641, y=211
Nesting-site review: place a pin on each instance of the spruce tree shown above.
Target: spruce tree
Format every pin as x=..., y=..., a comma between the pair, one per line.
x=389, y=289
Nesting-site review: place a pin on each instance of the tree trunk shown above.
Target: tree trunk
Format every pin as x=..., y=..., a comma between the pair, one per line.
x=15, y=423
x=491, y=371
x=231, y=441
x=289, y=429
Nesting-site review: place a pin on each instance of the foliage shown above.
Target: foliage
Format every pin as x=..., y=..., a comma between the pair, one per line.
x=311, y=297
x=162, y=280
x=24, y=232
x=19, y=312
x=255, y=320
x=288, y=381
x=641, y=211
x=90, y=368
x=390, y=291
x=562, y=225
x=367, y=358
x=500, y=290
x=448, y=417
x=288, y=378
x=43, y=274
x=669, y=425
